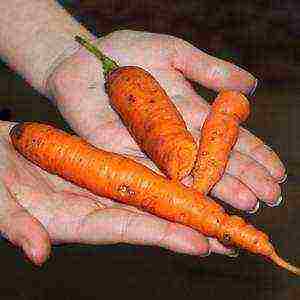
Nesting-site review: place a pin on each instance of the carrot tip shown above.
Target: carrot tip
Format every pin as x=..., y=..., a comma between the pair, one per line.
x=284, y=264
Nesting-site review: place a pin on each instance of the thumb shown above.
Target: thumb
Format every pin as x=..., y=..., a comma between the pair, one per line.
x=211, y=72
x=23, y=230
x=113, y=225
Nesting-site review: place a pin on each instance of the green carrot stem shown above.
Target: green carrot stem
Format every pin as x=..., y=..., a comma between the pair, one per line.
x=108, y=64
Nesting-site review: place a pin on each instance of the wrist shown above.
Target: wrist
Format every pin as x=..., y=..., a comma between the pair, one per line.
x=55, y=49
x=46, y=86
x=58, y=72
x=41, y=37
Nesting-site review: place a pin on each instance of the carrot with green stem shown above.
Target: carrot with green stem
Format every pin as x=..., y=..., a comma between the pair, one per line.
x=122, y=179
x=149, y=115
x=219, y=134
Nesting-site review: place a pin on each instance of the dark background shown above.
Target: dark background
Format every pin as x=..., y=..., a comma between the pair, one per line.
x=261, y=36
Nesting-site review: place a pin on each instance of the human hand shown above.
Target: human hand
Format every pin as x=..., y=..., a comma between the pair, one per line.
x=77, y=85
x=254, y=170
x=38, y=209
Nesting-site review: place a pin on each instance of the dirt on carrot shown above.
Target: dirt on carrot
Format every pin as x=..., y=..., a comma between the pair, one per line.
x=122, y=179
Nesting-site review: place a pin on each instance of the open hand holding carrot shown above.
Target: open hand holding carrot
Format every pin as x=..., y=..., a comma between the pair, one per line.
x=75, y=84
x=39, y=209
x=78, y=87
x=157, y=126
x=149, y=115
x=122, y=179
x=225, y=113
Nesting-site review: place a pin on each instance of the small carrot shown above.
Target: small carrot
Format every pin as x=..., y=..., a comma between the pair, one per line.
x=122, y=179
x=218, y=136
x=149, y=115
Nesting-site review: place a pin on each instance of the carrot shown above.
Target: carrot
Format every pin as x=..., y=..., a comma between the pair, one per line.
x=149, y=115
x=218, y=136
x=122, y=179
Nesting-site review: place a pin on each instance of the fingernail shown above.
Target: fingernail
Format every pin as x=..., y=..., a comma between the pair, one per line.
x=33, y=257
x=284, y=178
x=232, y=253
x=255, y=209
x=277, y=203
x=28, y=249
x=205, y=254
x=252, y=91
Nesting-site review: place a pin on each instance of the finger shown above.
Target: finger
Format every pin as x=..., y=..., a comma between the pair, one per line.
x=211, y=72
x=235, y=193
x=23, y=230
x=118, y=226
x=255, y=176
x=153, y=231
x=254, y=147
x=234, y=188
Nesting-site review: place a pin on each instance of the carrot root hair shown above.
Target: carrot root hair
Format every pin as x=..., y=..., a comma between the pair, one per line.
x=284, y=264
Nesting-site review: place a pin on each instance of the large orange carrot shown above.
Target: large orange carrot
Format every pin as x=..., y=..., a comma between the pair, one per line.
x=218, y=135
x=122, y=179
x=149, y=115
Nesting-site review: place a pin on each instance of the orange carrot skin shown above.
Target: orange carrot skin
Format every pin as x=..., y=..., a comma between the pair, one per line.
x=114, y=176
x=232, y=103
x=152, y=119
x=218, y=136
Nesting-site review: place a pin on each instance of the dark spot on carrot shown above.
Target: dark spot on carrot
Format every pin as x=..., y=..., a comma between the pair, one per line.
x=182, y=217
x=131, y=99
x=152, y=207
x=145, y=203
x=226, y=239
x=236, y=116
x=148, y=204
x=214, y=162
x=204, y=153
x=140, y=85
x=125, y=189
x=216, y=133
x=152, y=101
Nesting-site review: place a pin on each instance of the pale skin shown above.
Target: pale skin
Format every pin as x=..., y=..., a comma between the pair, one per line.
x=38, y=209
